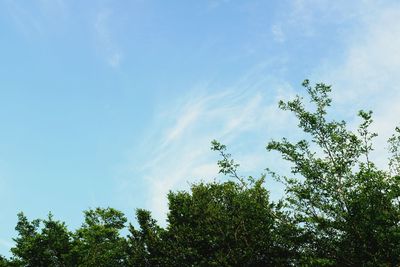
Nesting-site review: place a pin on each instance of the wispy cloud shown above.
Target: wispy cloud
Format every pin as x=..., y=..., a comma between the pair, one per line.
x=305, y=18
x=369, y=75
x=365, y=72
x=244, y=116
x=184, y=122
x=105, y=39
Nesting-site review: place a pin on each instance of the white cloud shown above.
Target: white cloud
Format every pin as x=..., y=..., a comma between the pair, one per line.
x=373, y=57
x=305, y=18
x=183, y=122
x=244, y=117
x=369, y=76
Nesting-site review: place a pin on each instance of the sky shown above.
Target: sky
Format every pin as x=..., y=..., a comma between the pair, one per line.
x=114, y=103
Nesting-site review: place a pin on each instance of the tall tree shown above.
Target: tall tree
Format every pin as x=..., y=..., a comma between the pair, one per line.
x=347, y=209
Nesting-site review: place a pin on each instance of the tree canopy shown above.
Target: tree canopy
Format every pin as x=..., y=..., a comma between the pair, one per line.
x=339, y=209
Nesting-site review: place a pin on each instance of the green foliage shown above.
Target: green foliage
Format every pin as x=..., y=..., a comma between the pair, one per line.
x=216, y=224
x=220, y=225
x=4, y=262
x=226, y=165
x=48, y=245
x=339, y=210
x=98, y=241
x=344, y=205
x=147, y=246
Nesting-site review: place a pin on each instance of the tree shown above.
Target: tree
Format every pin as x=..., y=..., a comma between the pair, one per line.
x=5, y=262
x=41, y=242
x=339, y=209
x=147, y=245
x=222, y=224
x=347, y=209
x=214, y=224
x=49, y=243
x=98, y=241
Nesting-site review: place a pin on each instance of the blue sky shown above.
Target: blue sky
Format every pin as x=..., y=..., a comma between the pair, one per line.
x=113, y=103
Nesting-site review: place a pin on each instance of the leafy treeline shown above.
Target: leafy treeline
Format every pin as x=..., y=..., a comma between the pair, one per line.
x=339, y=210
